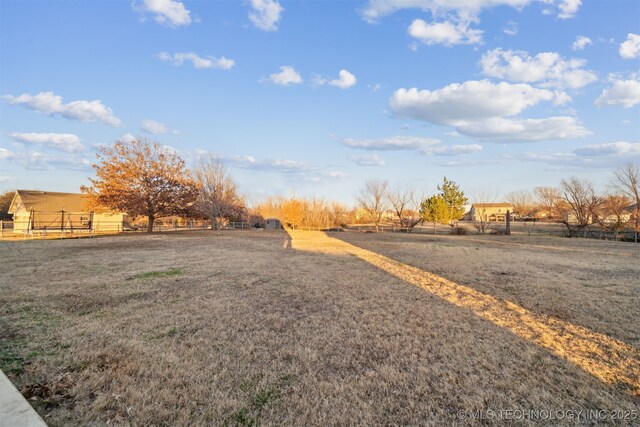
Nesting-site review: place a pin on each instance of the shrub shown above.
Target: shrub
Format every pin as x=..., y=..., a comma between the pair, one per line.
x=496, y=229
x=458, y=231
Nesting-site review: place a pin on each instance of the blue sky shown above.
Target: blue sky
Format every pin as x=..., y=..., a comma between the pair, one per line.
x=313, y=97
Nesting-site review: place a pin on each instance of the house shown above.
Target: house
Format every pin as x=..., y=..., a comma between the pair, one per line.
x=571, y=218
x=489, y=212
x=621, y=218
x=59, y=212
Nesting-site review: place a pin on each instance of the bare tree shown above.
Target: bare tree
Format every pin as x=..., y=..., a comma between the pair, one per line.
x=218, y=199
x=339, y=213
x=406, y=206
x=547, y=201
x=582, y=204
x=627, y=180
x=522, y=202
x=613, y=216
x=373, y=199
x=482, y=200
x=5, y=203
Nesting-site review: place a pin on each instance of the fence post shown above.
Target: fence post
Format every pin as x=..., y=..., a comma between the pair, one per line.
x=1, y=229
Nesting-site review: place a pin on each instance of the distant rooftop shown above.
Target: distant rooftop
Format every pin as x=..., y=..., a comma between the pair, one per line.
x=47, y=201
x=492, y=205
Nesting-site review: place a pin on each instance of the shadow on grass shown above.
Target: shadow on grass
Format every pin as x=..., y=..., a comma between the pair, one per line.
x=611, y=361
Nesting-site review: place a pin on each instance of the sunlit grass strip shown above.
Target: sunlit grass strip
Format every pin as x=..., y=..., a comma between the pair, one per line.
x=612, y=361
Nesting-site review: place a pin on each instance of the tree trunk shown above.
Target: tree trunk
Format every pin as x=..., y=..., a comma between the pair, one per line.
x=434, y=228
x=150, y=224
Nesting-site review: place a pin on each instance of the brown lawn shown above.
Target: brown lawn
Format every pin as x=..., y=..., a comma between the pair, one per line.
x=243, y=328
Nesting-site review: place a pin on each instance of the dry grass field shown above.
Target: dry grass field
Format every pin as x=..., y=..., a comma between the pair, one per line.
x=250, y=327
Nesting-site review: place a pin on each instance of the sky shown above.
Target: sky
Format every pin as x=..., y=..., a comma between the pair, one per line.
x=312, y=98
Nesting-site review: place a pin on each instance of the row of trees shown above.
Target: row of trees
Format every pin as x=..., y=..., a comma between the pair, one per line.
x=295, y=212
x=408, y=207
x=576, y=203
x=150, y=180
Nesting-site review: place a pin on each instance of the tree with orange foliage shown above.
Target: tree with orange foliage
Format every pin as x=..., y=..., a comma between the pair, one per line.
x=141, y=178
x=293, y=212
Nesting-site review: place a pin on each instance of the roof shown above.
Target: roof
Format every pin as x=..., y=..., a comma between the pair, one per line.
x=48, y=201
x=492, y=205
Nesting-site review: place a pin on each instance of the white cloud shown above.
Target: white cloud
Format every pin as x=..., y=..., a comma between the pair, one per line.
x=377, y=9
x=581, y=42
x=33, y=160
x=198, y=62
x=171, y=13
x=345, y=80
x=453, y=18
x=467, y=102
x=561, y=97
x=630, y=48
x=619, y=149
x=482, y=110
x=50, y=104
x=5, y=179
x=367, y=160
x=517, y=130
x=511, y=29
x=462, y=9
x=266, y=14
x=5, y=154
x=606, y=155
x=154, y=127
x=568, y=8
x=453, y=150
x=300, y=170
x=426, y=146
x=547, y=68
x=625, y=93
x=127, y=137
x=469, y=162
x=287, y=76
x=61, y=141
x=281, y=165
x=445, y=33
x=392, y=143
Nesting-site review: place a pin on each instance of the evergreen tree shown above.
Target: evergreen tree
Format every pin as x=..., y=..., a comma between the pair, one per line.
x=455, y=200
x=435, y=209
